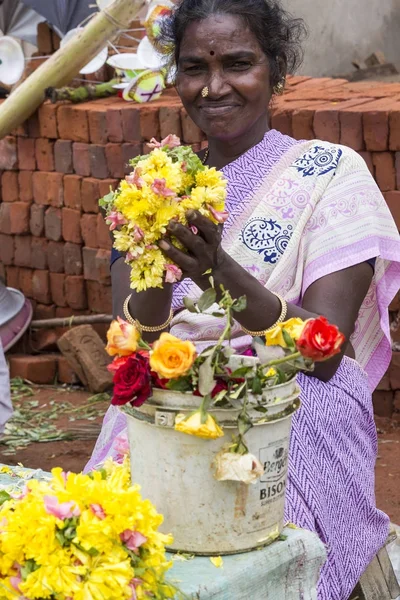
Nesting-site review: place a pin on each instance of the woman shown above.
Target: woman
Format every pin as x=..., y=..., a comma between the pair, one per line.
x=306, y=222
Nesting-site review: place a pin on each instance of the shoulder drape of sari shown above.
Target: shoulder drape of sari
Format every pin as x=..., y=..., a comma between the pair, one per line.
x=317, y=211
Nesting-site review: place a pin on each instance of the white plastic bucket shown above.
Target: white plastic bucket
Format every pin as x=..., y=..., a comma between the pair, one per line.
x=175, y=472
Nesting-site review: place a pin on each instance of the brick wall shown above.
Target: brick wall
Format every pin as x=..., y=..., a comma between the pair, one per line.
x=54, y=245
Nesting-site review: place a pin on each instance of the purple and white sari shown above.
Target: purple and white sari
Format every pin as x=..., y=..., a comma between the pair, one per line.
x=298, y=212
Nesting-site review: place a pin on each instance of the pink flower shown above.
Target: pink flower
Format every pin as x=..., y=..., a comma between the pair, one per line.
x=132, y=256
x=171, y=141
x=21, y=496
x=138, y=234
x=219, y=216
x=98, y=511
x=115, y=219
x=61, y=510
x=133, y=585
x=132, y=539
x=151, y=247
x=159, y=188
x=194, y=229
x=15, y=581
x=135, y=179
x=173, y=274
x=121, y=446
x=153, y=144
x=184, y=166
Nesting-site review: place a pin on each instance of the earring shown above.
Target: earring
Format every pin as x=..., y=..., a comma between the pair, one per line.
x=205, y=92
x=279, y=88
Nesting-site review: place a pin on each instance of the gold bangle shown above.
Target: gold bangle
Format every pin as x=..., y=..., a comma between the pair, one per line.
x=282, y=317
x=138, y=325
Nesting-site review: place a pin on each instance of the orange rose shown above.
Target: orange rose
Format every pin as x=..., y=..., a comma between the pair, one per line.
x=122, y=338
x=171, y=357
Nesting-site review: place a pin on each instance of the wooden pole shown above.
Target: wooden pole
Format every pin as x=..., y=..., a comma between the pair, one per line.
x=70, y=321
x=66, y=63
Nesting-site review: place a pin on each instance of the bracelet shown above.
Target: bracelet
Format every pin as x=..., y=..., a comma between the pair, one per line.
x=141, y=327
x=282, y=317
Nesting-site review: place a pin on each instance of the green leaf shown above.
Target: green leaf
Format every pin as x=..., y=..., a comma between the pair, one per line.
x=4, y=496
x=60, y=538
x=288, y=340
x=207, y=299
x=261, y=409
x=206, y=377
x=218, y=315
x=93, y=552
x=256, y=386
x=240, y=304
x=28, y=567
x=244, y=424
x=190, y=305
x=241, y=372
x=220, y=397
x=235, y=394
x=180, y=385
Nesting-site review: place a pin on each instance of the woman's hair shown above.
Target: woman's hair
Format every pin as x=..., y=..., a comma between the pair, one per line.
x=278, y=33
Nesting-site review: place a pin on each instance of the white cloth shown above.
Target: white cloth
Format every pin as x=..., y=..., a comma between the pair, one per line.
x=5, y=395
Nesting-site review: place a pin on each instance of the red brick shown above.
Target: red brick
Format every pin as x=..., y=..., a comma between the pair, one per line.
x=26, y=154
x=75, y=292
x=351, y=128
x=25, y=185
x=40, y=188
x=190, y=132
x=71, y=228
x=25, y=281
x=45, y=340
x=37, y=369
x=55, y=189
x=98, y=162
x=103, y=258
x=9, y=186
x=12, y=274
x=55, y=257
x=303, y=124
x=73, y=123
x=383, y=403
x=41, y=286
x=398, y=170
x=81, y=159
x=7, y=249
x=72, y=191
x=393, y=202
x=36, y=221
x=115, y=160
x=90, y=194
x=376, y=125
x=129, y=151
x=105, y=185
x=33, y=126
x=281, y=119
x=14, y=217
x=39, y=253
x=367, y=156
x=44, y=311
x=8, y=154
x=89, y=230
x=385, y=173
x=114, y=125
x=170, y=121
x=73, y=263
x=22, y=255
x=130, y=116
x=394, y=371
x=396, y=403
x=43, y=39
x=65, y=373
x=3, y=274
x=327, y=125
x=149, y=122
x=47, y=115
x=394, y=128
x=94, y=295
x=63, y=156
x=103, y=233
x=57, y=288
x=89, y=264
x=53, y=224
x=44, y=151
x=98, y=126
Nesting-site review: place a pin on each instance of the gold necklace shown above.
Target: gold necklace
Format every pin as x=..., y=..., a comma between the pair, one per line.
x=205, y=157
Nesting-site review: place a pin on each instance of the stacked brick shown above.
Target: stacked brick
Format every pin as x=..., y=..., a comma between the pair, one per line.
x=54, y=245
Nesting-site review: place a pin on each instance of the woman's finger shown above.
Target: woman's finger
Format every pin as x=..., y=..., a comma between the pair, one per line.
x=209, y=230
x=194, y=243
x=183, y=260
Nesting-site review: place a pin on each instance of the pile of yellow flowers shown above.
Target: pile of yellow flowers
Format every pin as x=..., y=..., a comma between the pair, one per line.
x=82, y=537
x=162, y=187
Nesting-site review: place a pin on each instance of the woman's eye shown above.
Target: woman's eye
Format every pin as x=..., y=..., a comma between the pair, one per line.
x=193, y=69
x=240, y=65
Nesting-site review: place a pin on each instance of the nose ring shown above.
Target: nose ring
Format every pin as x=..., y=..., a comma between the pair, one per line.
x=205, y=91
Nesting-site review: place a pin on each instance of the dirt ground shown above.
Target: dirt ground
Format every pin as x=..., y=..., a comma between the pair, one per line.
x=81, y=414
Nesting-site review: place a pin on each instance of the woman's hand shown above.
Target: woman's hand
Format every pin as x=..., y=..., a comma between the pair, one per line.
x=204, y=250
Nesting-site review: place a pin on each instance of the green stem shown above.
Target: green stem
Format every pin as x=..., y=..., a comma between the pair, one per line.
x=280, y=361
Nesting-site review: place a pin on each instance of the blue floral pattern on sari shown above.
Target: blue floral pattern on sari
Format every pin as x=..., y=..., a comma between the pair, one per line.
x=266, y=237
x=318, y=160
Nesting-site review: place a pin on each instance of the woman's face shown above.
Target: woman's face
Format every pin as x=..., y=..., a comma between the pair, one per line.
x=221, y=53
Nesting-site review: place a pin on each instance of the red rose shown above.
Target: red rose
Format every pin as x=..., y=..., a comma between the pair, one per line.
x=118, y=362
x=132, y=382
x=158, y=382
x=320, y=340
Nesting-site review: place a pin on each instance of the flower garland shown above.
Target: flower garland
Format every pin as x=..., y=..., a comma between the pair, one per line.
x=82, y=537
x=162, y=187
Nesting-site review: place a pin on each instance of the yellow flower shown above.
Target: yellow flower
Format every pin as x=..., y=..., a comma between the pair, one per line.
x=172, y=357
x=271, y=372
x=192, y=425
x=122, y=338
x=210, y=177
x=217, y=561
x=293, y=327
x=148, y=270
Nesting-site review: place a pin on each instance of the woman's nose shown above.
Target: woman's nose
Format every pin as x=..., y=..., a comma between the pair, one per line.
x=218, y=85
